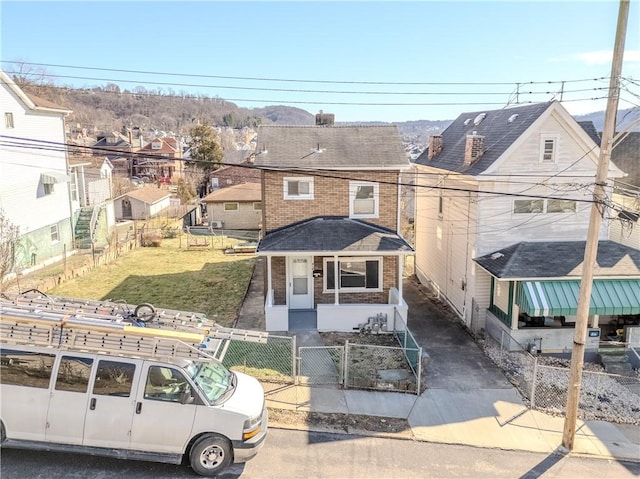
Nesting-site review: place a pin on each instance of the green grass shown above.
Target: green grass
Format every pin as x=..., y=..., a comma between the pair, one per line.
x=172, y=277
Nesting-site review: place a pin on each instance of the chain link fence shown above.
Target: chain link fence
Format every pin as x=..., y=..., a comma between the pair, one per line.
x=369, y=366
x=603, y=396
x=272, y=360
x=321, y=365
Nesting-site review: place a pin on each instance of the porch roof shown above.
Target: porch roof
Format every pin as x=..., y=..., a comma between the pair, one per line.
x=560, y=298
x=560, y=259
x=333, y=234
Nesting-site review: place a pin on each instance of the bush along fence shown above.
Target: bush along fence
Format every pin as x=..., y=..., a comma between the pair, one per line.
x=543, y=382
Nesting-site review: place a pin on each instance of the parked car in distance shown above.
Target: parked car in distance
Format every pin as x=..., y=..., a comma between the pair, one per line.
x=136, y=181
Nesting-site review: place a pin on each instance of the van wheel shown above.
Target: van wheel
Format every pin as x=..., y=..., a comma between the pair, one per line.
x=3, y=433
x=210, y=455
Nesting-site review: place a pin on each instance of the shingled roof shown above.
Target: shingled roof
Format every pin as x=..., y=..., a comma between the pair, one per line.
x=557, y=259
x=626, y=156
x=498, y=131
x=331, y=234
x=330, y=147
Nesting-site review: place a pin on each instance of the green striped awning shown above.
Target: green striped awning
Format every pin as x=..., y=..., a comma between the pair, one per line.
x=560, y=298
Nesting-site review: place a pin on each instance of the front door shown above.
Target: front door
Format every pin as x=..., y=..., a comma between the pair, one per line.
x=299, y=285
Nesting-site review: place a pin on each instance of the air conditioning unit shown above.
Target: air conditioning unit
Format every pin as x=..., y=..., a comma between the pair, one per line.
x=216, y=224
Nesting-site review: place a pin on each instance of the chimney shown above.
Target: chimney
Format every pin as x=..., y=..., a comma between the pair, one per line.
x=325, y=119
x=435, y=146
x=473, y=148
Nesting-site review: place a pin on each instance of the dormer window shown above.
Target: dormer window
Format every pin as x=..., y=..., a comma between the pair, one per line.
x=548, y=148
x=156, y=145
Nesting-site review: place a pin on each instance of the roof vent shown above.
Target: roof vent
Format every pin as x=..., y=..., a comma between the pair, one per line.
x=512, y=118
x=479, y=118
x=467, y=121
x=496, y=255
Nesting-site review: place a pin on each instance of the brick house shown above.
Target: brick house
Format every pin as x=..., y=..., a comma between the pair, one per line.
x=330, y=222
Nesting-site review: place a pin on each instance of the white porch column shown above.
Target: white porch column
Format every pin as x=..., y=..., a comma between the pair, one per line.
x=400, y=273
x=595, y=320
x=269, y=287
x=336, y=281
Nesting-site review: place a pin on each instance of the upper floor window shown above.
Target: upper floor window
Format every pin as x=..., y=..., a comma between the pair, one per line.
x=544, y=206
x=231, y=206
x=548, y=148
x=156, y=145
x=8, y=120
x=298, y=188
x=363, y=199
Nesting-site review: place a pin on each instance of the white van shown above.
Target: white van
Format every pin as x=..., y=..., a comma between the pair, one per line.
x=130, y=408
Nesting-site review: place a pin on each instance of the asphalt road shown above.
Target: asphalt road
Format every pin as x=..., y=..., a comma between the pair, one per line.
x=300, y=454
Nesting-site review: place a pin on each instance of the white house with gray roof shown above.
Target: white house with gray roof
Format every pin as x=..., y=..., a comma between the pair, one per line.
x=334, y=256
x=515, y=185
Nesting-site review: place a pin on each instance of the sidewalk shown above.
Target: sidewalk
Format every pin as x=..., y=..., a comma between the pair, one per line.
x=468, y=401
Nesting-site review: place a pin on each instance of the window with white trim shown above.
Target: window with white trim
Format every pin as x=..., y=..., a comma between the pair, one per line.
x=8, y=119
x=363, y=199
x=257, y=205
x=544, y=206
x=548, y=148
x=298, y=188
x=354, y=274
x=55, y=234
x=231, y=206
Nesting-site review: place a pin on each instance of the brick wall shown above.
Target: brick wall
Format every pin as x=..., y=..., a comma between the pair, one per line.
x=331, y=198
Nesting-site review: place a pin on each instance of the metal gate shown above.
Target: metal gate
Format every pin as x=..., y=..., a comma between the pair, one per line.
x=321, y=365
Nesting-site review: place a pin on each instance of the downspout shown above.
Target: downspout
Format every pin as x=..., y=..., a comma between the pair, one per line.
x=336, y=281
x=66, y=169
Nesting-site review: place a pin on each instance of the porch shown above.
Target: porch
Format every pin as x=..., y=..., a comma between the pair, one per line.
x=348, y=317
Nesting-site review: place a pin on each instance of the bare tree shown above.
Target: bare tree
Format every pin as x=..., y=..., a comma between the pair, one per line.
x=9, y=235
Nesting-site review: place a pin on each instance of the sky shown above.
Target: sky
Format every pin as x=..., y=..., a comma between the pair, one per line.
x=362, y=61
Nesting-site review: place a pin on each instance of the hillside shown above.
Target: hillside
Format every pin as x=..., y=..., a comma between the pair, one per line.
x=107, y=108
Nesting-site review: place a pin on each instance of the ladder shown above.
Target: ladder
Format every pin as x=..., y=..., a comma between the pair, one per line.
x=101, y=326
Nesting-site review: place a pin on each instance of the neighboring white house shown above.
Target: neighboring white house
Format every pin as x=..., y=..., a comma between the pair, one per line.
x=503, y=196
x=142, y=204
x=34, y=180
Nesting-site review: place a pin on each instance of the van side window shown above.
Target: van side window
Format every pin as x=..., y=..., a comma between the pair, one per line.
x=164, y=384
x=73, y=374
x=114, y=378
x=26, y=369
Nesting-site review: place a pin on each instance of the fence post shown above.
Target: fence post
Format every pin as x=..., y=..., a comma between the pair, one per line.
x=294, y=370
x=346, y=364
x=533, y=382
x=419, y=371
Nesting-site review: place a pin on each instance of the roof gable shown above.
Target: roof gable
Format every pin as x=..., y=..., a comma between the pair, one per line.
x=330, y=147
x=31, y=102
x=148, y=194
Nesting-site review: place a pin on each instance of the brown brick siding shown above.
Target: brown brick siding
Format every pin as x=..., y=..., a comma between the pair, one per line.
x=389, y=271
x=331, y=198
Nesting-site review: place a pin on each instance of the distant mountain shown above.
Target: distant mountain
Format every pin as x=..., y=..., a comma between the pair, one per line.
x=624, y=118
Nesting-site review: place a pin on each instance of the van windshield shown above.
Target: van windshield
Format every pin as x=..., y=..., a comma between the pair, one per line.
x=215, y=381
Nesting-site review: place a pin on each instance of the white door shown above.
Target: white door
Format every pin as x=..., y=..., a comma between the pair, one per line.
x=112, y=403
x=69, y=399
x=300, y=284
x=161, y=422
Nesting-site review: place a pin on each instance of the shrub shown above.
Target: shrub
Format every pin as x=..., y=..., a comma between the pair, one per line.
x=151, y=239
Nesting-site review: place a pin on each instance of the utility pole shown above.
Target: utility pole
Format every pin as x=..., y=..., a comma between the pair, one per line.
x=591, y=247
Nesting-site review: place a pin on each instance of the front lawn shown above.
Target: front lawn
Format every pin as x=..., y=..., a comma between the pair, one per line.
x=172, y=277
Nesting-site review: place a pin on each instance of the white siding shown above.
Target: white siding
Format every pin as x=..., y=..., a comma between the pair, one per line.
x=21, y=191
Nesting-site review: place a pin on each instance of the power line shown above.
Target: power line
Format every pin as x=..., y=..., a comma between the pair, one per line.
x=194, y=75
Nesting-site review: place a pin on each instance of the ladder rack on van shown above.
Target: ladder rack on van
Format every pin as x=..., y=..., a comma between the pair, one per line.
x=97, y=326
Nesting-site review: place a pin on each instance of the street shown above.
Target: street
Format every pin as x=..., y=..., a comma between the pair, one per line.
x=302, y=454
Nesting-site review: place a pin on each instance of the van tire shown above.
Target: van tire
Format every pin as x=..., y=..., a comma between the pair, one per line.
x=3, y=432
x=210, y=455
